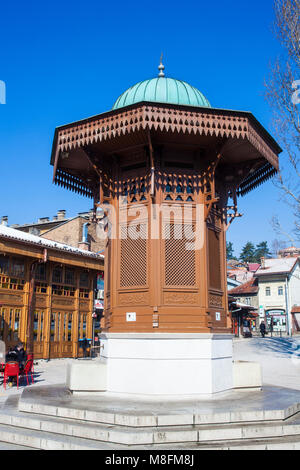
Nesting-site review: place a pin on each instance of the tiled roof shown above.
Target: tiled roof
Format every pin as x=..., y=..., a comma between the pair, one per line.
x=13, y=234
x=250, y=287
x=296, y=309
x=253, y=267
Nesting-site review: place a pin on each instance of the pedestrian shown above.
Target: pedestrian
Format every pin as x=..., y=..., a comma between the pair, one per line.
x=262, y=328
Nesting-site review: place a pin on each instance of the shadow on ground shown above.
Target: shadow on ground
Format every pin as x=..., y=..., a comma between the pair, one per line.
x=281, y=346
x=23, y=380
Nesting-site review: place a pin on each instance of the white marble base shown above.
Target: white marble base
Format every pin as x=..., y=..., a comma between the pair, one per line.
x=86, y=376
x=167, y=363
x=247, y=375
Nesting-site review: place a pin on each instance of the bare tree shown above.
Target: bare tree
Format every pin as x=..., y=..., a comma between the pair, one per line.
x=282, y=90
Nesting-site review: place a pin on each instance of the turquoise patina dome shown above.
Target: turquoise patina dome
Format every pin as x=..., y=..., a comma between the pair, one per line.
x=162, y=90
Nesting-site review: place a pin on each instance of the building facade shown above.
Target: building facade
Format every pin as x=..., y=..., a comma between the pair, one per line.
x=52, y=284
x=279, y=292
x=246, y=306
x=82, y=231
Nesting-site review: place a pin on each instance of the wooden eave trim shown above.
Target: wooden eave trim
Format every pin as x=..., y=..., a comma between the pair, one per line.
x=31, y=250
x=169, y=106
x=150, y=116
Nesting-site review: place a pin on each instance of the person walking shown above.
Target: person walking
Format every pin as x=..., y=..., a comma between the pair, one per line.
x=262, y=328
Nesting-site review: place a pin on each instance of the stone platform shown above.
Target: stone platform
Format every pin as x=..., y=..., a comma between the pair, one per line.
x=269, y=404
x=49, y=417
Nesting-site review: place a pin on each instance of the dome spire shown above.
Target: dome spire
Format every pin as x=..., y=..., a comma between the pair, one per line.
x=161, y=67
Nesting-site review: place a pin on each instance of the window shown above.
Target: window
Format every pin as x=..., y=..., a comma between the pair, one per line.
x=69, y=276
x=268, y=291
x=4, y=265
x=66, y=291
x=2, y=322
x=57, y=274
x=40, y=272
x=17, y=268
x=84, y=293
x=40, y=287
x=280, y=290
x=10, y=283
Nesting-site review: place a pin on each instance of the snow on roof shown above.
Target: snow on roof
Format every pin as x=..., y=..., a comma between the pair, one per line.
x=8, y=232
x=289, y=249
x=276, y=266
x=240, y=274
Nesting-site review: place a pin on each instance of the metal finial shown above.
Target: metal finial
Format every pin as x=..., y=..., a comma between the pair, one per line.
x=161, y=67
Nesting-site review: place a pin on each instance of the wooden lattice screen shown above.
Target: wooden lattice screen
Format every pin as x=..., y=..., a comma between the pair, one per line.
x=133, y=264
x=180, y=264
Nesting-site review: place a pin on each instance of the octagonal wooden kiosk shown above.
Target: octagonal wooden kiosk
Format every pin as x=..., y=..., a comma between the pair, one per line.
x=170, y=175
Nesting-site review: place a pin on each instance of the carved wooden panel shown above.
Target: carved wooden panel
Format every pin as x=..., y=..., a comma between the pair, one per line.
x=215, y=301
x=133, y=298
x=178, y=298
x=57, y=302
x=11, y=298
x=41, y=301
x=214, y=259
x=84, y=306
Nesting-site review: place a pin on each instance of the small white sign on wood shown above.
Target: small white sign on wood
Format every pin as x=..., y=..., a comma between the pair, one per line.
x=130, y=316
x=218, y=316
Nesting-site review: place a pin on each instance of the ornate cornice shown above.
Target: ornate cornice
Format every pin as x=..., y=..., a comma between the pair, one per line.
x=165, y=118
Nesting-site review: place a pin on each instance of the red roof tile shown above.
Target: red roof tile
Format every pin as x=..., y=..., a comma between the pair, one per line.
x=253, y=267
x=250, y=287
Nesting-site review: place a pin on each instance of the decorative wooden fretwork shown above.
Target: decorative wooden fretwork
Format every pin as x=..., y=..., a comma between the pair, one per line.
x=179, y=187
x=256, y=178
x=135, y=189
x=73, y=183
x=180, y=262
x=133, y=260
x=165, y=118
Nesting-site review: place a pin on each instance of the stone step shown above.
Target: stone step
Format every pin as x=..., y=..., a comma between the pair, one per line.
x=57, y=428
x=268, y=405
x=117, y=410
x=39, y=440
x=286, y=443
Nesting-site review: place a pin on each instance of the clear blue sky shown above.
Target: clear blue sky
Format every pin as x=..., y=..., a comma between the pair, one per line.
x=63, y=61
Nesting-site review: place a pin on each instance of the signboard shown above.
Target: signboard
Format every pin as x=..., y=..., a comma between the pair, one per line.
x=275, y=313
x=218, y=316
x=261, y=311
x=130, y=316
x=98, y=304
x=100, y=281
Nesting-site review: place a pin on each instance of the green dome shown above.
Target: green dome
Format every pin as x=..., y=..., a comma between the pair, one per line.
x=162, y=90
